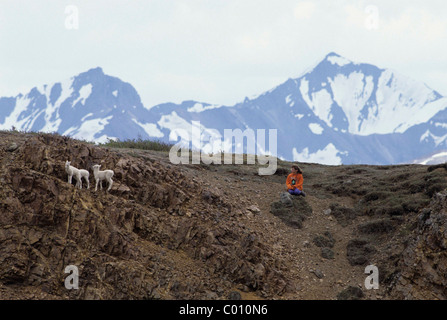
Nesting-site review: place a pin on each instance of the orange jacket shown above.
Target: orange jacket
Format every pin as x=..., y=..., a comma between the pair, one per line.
x=295, y=180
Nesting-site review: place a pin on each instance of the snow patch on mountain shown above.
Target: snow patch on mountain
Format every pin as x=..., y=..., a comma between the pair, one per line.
x=84, y=93
x=437, y=140
x=88, y=115
x=304, y=90
x=89, y=130
x=351, y=93
x=13, y=120
x=437, y=158
x=338, y=60
x=316, y=128
x=398, y=103
x=200, y=107
x=179, y=128
x=321, y=105
x=329, y=155
x=150, y=128
x=422, y=114
x=59, y=93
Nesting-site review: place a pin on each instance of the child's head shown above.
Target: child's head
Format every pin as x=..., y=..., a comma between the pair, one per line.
x=296, y=169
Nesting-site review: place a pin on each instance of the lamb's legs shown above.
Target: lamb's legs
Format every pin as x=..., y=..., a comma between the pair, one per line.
x=79, y=182
x=110, y=185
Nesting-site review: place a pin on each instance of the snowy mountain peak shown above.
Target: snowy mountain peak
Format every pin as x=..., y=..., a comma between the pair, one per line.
x=92, y=72
x=363, y=99
x=91, y=106
x=336, y=59
x=332, y=54
x=95, y=70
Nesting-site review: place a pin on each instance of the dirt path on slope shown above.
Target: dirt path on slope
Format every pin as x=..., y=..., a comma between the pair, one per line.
x=311, y=276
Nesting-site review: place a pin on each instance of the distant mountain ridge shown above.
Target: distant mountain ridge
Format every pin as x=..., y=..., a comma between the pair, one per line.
x=91, y=106
x=340, y=112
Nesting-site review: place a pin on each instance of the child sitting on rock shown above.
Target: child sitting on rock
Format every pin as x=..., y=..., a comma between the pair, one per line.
x=294, y=181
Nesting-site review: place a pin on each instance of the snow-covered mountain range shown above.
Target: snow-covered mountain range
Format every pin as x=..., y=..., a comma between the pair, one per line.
x=90, y=106
x=340, y=112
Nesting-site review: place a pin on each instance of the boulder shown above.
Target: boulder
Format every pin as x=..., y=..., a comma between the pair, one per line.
x=293, y=210
x=351, y=293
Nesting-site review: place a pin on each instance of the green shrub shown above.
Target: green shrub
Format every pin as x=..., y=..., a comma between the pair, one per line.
x=343, y=214
x=377, y=227
x=155, y=145
x=376, y=195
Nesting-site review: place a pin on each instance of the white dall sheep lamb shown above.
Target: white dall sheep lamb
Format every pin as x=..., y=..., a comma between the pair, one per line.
x=78, y=174
x=85, y=174
x=102, y=175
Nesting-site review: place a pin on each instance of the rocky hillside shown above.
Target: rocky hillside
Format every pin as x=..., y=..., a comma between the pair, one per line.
x=423, y=267
x=213, y=232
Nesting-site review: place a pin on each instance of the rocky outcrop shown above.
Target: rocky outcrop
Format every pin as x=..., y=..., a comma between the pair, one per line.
x=158, y=234
x=423, y=265
x=293, y=210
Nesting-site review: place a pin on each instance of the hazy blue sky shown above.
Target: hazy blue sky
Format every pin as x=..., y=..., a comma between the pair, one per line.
x=215, y=51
